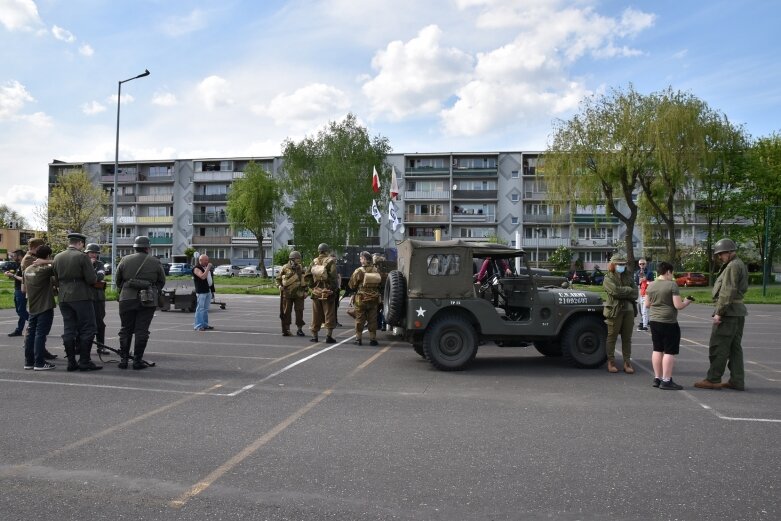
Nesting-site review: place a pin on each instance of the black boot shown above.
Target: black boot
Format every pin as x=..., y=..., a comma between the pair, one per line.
x=314, y=338
x=330, y=340
x=124, y=353
x=138, y=356
x=85, y=364
x=300, y=332
x=70, y=354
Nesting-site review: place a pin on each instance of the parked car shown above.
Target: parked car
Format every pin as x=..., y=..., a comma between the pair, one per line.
x=597, y=277
x=166, y=267
x=227, y=270
x=579, y=277
x=249, y=271
x=8, y=266
x=180, y=268
x=691, y=278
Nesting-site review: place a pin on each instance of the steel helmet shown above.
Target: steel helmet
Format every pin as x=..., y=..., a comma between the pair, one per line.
x=92, y=247
x=141, y=242
x=724, y=245
x=323, y=248
x=294, y=255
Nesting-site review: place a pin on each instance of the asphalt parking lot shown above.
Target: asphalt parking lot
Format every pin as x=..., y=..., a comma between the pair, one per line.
x=242, y=423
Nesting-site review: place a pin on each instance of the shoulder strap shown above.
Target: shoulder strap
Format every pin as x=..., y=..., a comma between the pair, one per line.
x=142, y=265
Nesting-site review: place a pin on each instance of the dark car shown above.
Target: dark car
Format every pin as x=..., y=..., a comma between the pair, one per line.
x=8, y=266
x=579, y=277
x=166, y=267
x=597, y=277
x=691, y=278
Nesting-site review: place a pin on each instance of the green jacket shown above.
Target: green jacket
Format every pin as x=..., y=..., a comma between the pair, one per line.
x=728, y=291
x=138, y=266
x=39, y=284
x=74, y=275
x=621, y=293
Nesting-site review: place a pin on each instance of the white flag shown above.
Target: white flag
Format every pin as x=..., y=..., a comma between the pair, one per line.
x=394, y=187
x=393, y=217
x=376, y=211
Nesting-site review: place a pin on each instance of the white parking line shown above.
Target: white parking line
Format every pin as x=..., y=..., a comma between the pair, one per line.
x=121, y=387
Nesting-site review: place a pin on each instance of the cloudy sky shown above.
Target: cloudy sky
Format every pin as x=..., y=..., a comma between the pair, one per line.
x=237, y=77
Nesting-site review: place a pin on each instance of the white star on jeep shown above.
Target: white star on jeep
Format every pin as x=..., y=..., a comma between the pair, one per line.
x=421, y=312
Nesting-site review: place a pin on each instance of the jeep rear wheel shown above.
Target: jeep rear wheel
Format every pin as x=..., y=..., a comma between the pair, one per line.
x=548, y=347
x=583, y=342
x=450, y=343
x=394, y=298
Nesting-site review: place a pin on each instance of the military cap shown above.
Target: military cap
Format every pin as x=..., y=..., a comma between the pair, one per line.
x=92, y=247
x=142, y=241
x=77, y=236
x=618, y=258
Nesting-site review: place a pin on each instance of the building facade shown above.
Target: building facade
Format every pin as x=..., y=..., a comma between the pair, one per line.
x=472, y=196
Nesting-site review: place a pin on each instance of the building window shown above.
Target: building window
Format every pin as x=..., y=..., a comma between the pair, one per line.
x=515, y=198
x=514, y=174
x=514, y=220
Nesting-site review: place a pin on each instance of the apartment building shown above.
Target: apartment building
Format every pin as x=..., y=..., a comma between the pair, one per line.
x=472, y=196
x=13, y=238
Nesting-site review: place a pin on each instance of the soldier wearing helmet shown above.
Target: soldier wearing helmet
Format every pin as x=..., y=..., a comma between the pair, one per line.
x=98, y=295
x=365, y=281
x=321, y=277
x=729, y=318
x=136, y=272
x=292, y=292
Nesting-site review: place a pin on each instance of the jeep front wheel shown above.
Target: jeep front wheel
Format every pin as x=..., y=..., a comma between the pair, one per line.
x=583, y=342
x=450, y=343
x=394, y=298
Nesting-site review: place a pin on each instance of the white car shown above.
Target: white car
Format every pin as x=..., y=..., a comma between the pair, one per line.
x=227, y=270
x=249, y=271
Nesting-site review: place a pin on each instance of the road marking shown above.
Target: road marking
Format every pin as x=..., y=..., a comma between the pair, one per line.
x=269, y=435
x=120, y=387
x=272, y=375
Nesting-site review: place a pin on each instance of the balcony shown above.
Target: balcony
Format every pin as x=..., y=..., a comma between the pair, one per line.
x=445, y=237
x=441, y=171
x=475, y=172
x=126, y=198
x=166, y=198
x=157, y=178
x=554, y=242
x=121, y=219
x=161, y=240
x=165, y=219
x=212, y=240
x=590, y=218
x=473, y=218
x=534, y=196
x=210, y=197
x=206, y=177
x=122, y=178
x=474, y=194
x=210, y=217
x=418, y=218
x=427, y=196
x=592, y=243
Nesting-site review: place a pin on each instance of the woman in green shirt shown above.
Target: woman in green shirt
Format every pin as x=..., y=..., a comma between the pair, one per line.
x=664, y=301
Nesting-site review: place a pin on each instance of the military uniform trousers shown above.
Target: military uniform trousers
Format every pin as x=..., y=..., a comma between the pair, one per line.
x=323, y=312
x=135, y=320
x=725, y=350
x=366, y=314
x=288, y=305
x=100, y=324
x=78, y=322
x=620, y=325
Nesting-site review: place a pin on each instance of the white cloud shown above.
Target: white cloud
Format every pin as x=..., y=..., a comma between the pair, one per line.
x=306, y=105
x=13, y=96
x=38, y=119
x=93, y=107
x=126, y=98
x=164, y=99
x=215, y=92
x=19, y=15
x=180, y=25
x=86, y=50
x=63, y=34
x=417, y=76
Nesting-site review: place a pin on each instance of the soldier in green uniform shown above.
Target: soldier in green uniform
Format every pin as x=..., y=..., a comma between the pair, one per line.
x=321, y=277
x=98, y=294
x=729, y=317
x=365, y=281
x=134, y=271
x=292, y=292
x=619, y=312
x=74, y=277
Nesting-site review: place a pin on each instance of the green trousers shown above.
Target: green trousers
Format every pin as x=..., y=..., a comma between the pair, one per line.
x=620, y=325
x=726, y=351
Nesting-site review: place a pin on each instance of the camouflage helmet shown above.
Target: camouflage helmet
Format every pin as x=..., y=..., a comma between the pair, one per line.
x=141, y=241
x=724, y=245
x=294, y=255
x=323, y=248
x=618, y=258
x=92, y=247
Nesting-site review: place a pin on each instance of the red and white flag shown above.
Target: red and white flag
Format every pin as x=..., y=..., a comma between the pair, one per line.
x=394, y=187
x=376, y=181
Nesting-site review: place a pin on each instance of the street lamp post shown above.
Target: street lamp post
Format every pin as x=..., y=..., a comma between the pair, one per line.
x=537, y=232
x=116, y=173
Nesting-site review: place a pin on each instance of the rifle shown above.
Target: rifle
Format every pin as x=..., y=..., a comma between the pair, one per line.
x=104, y=350
x=281, y=304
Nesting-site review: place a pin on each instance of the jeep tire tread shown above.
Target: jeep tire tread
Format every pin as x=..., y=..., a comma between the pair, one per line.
x=583, y=341
x=394, y=298
x=548, y=347
x=450, y=343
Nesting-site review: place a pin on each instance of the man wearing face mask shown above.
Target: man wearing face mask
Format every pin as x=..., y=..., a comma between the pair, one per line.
x=619, y=312
x=292, y=292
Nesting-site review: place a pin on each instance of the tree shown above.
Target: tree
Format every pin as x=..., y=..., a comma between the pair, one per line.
x=597, y=157
x=329, y=179
x=252, y=203
x=10, y=218
x=75, y=205
x=561, y=258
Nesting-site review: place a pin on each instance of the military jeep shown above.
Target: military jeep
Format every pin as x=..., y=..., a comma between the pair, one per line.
x=433, y=299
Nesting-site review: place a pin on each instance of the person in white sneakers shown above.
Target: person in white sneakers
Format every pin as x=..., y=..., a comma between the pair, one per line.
x=40, y=304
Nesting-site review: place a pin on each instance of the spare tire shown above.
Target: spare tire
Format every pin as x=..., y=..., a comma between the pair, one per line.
x=394, y=299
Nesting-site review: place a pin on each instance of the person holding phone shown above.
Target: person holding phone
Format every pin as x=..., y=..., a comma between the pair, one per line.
x=663, y=301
